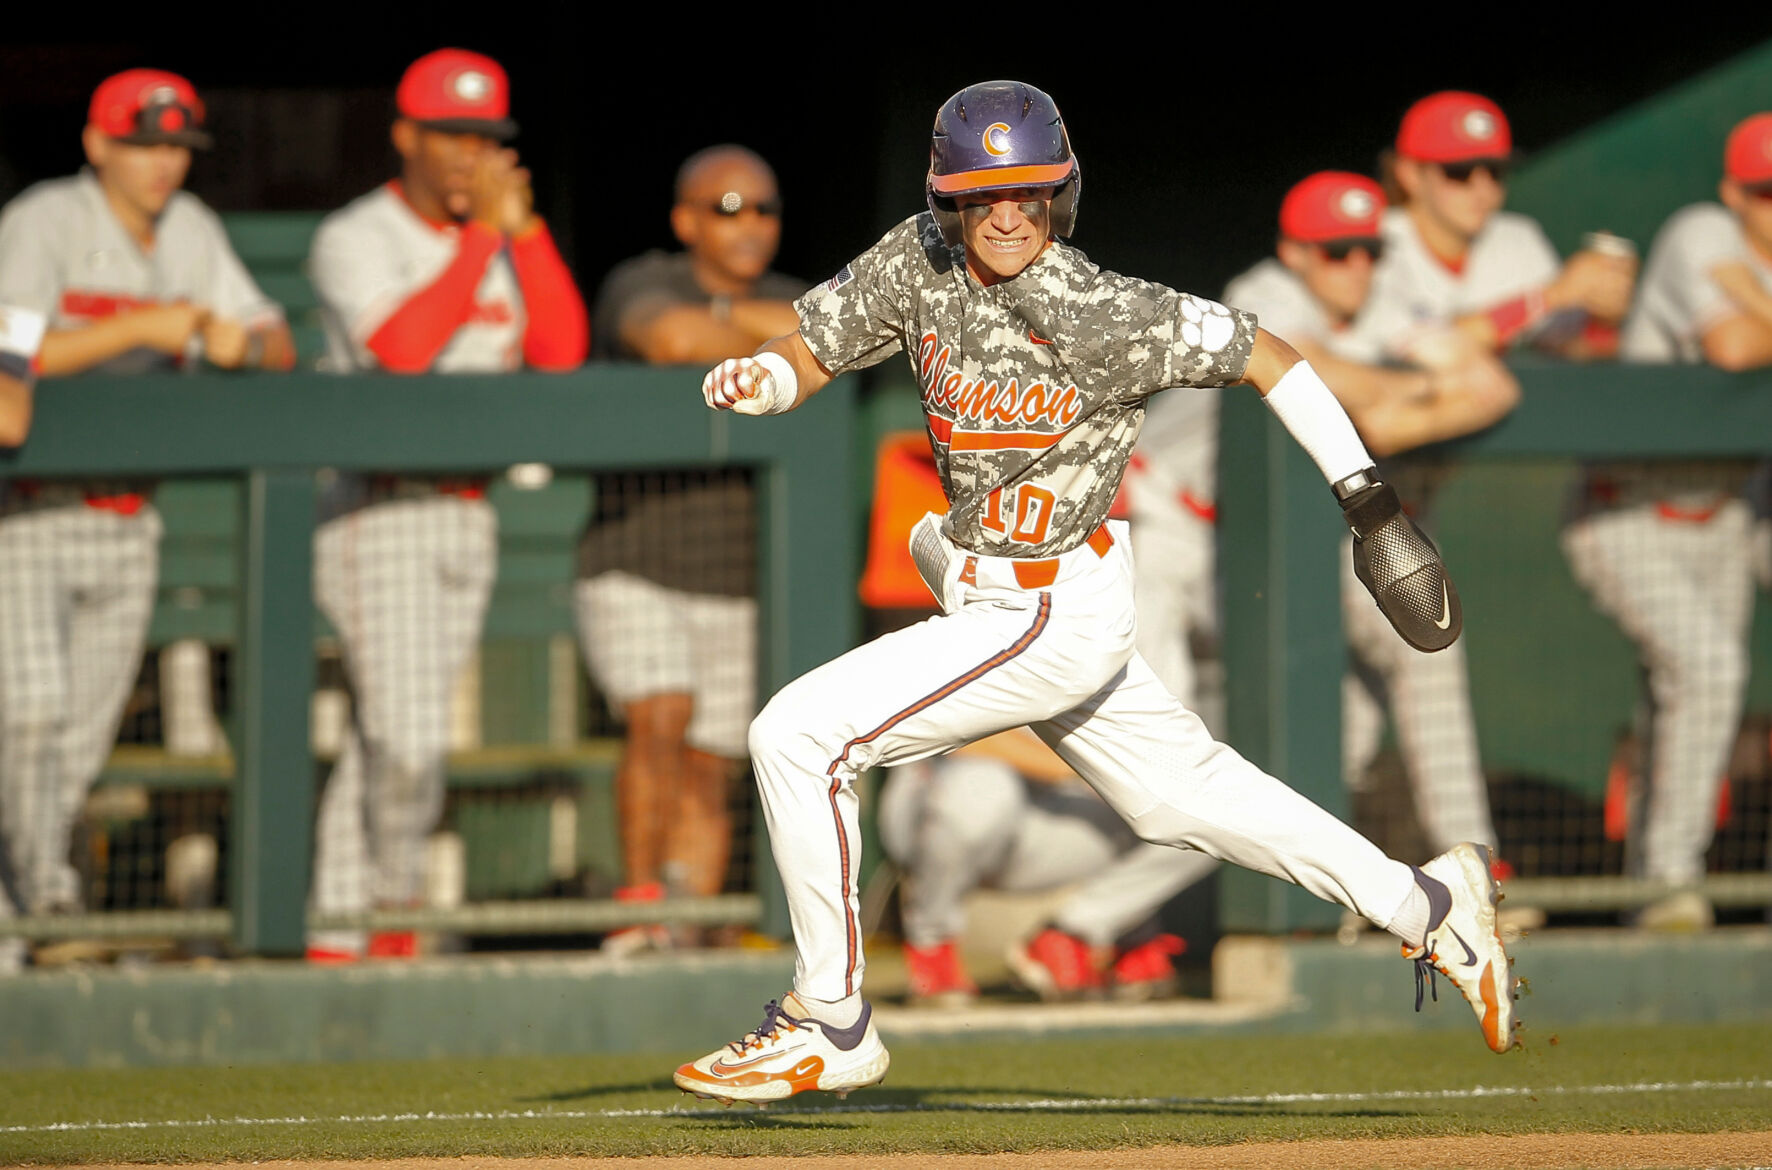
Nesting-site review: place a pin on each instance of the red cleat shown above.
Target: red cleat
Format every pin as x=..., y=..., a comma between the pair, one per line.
x=1056, y=966
x=938, y=978
x=1146, y=970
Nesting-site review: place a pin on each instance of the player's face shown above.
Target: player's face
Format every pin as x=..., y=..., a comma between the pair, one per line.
x=1338, y=273
x=443, y=165
x=144, y=177
x=729, y=217
x=1004, y=231
x=1460, y=196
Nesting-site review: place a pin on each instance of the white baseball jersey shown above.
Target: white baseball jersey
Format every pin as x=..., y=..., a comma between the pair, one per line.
x=1412, y=289
x=1033, y=388
x=64, y=254
x=1678, y=299
x=369, y=258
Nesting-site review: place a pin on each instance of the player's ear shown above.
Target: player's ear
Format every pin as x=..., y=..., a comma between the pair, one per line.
x=1293, y=254
x=97, y=145
x=1729, y=191
x=404, y=135
x=684, y=225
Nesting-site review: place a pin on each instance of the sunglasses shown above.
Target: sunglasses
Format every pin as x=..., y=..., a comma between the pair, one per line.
x=732, y=205
x=1338, y=251
x=1461, y=172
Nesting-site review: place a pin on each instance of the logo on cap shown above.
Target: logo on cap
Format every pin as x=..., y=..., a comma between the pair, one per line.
x=160, y=95
x=1479, y=124
x=470, y=85
x=1356, y=204
x=996, y=139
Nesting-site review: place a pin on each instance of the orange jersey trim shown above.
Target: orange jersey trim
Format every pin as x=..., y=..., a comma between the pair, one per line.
x=1003, y=440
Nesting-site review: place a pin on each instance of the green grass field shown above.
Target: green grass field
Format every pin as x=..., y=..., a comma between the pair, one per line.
x=954, y=1098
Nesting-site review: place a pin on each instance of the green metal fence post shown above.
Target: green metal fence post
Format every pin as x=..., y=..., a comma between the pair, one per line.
x=273, y=806
x=1279, y=537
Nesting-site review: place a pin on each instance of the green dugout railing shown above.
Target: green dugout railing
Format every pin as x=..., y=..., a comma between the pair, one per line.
x=1280, y=539
x=1280, y=534
x=275, y=431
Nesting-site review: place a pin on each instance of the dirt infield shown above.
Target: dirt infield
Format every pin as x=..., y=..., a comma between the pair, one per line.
x=1527, y=1151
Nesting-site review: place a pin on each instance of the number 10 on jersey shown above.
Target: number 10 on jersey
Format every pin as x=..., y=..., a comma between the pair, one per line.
x=1029, y=509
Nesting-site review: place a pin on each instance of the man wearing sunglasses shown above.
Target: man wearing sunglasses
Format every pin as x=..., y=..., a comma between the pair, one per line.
x=665, y=601
x=1312, y=292
x=1035, y=366
x=1453, y=256
x=447, y=269
x=133, y=274
x=1665, y=548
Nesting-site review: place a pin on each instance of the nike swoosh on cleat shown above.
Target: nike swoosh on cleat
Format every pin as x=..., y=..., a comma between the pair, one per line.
x=720, y=1068
x=1445, y=618
x=1470, y=956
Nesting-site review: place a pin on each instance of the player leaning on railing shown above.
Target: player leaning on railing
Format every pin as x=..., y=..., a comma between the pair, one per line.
x=1034, y=366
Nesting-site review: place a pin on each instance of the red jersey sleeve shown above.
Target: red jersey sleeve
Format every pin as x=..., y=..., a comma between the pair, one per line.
x=559, y=332
x=410, y=340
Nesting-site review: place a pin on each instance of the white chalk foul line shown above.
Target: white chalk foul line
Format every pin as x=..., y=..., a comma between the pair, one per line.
x=1048, y=1105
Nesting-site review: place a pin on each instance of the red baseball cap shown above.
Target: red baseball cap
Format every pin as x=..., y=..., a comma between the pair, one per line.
x=146, y=107
x=1332, y=205
x=1452, y=127
x=458, y=92
x=1748, y=157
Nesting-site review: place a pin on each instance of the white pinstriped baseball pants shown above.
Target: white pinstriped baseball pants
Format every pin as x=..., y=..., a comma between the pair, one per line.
x=1059, y=658
x=405, y=583
x=76, y=592
x=1683, y=591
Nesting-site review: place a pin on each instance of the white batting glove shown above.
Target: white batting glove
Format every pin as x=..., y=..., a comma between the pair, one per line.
x=764, y=384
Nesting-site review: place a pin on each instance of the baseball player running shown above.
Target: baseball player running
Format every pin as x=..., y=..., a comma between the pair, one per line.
x=133, y=274
x=448, y=269
x=1034, y=365
x=1665, y=548
x=1312, y=292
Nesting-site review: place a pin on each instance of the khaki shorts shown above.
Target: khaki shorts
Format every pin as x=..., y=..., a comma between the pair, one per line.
x=642, y=639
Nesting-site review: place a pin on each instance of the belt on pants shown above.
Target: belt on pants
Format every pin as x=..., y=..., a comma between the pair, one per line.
x=1039, y=574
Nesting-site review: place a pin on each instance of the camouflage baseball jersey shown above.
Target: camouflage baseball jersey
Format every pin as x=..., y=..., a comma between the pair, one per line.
x=1034, y=388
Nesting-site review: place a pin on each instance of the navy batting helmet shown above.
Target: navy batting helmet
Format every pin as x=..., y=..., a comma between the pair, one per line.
x=996, y=136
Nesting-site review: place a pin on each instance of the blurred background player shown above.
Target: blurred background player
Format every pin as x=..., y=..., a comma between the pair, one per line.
x=1454, y=257
x=1457, y=271
x=1313, y=290
x=446, y=269
x=134, y=274
x=666, y=596
x=1665, y=548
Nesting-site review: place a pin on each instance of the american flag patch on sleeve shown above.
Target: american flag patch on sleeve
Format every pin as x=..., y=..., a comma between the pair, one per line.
x=843, y=277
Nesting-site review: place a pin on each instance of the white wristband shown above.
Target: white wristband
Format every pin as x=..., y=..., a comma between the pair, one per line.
x=1314, y=416
x=775, y=391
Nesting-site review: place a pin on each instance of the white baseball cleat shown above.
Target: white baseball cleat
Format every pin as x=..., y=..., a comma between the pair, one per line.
x=788, y=1053
x=1464, y=942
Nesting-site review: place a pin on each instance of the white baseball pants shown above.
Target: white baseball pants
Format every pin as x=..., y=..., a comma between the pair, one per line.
x=76, y=593
x=405, y=583
x=1682, y=590
x=1059, y=657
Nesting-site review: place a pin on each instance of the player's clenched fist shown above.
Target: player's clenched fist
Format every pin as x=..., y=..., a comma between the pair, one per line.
x=764, y=384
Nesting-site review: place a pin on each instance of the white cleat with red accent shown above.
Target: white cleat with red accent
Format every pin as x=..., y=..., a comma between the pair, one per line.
x=1465, y=943
x=789, y=1052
